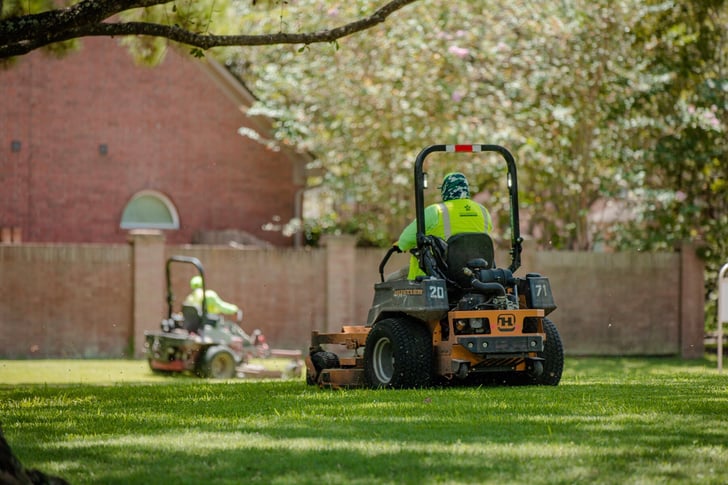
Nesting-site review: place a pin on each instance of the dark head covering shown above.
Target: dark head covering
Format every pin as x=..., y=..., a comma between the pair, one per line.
x=455, y=186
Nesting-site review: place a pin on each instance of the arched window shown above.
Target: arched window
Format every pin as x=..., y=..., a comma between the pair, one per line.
x=149, y=209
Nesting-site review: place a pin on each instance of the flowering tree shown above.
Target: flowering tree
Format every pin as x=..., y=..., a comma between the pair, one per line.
x=682, y=122
x=685, y=164
x=546, y=82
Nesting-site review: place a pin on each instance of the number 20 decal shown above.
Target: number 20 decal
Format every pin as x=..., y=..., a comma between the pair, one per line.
x=437, y=292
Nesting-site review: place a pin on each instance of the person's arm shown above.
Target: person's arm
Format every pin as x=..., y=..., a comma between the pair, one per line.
x=215, y=304
x=408, y=238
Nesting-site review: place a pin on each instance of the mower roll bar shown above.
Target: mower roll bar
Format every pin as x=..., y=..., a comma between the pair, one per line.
x=170, y=295
x=516, y=239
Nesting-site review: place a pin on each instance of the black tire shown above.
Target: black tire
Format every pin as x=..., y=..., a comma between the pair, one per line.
x=217, y=363
x=398, y=355
x=553, y=363
x=325, y=360
x=553, y=353
x=321, y=360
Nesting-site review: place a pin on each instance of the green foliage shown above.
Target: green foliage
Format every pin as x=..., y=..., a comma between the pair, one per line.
x=601, y=101
x=15, y=8
x=195, y=52
x=146, y=51
x=683, y=193
x=610, y=421
x=25, y=27
x=549, y=83
x=194, y=16
x=616, y=111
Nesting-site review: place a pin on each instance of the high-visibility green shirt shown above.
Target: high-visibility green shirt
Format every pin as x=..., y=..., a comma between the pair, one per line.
x=444, y=220
x=215, y=304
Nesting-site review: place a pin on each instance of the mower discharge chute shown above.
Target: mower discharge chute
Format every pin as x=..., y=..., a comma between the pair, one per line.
x=207, y=345
x=465, y=321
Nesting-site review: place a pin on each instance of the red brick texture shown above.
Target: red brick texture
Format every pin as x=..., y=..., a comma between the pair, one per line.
x=65, y=301
x=625, y=303
x=171, y=129
x=97, y=300
x=340, y=267
x=282, y=292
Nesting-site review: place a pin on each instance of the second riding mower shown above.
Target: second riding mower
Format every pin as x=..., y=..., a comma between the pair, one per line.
x=207, y=345
x=465, y=321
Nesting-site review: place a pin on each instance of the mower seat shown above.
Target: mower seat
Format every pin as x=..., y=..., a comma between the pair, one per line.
x=465, y=247
x=192, y=318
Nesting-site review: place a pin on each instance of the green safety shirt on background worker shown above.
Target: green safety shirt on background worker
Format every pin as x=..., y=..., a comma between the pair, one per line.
x=457, y=213
x=215, y=304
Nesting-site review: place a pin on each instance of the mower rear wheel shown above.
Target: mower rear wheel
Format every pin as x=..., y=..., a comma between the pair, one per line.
x=217, y=363
x=553, y=363
x=553, y=354
x=398, y=354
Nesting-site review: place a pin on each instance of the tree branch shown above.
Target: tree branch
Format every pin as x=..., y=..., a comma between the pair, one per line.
x=86, y=12
x=20, y=35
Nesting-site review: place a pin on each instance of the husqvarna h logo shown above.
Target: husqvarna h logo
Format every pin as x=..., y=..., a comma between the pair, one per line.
x=506, y=322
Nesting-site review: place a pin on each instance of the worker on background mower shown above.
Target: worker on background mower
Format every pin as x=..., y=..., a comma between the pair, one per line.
x=215, y=304
x=455, y=214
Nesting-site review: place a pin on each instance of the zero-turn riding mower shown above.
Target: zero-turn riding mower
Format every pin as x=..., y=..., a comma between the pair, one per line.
x=465, y=321
x=207, y=344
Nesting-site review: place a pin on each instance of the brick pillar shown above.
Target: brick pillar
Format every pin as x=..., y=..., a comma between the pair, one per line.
x=148, y=284
x=692, y=303
x=340, y=281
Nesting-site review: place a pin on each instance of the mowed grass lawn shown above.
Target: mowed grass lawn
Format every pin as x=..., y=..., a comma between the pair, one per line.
x=616, y=421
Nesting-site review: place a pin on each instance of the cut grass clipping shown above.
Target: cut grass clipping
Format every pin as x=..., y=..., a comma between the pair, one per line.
x=621, y=421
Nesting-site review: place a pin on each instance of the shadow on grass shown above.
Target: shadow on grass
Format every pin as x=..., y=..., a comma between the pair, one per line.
x=668, y=427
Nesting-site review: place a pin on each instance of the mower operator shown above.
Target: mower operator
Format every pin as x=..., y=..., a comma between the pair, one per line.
x=455, y=214
x=215, y=304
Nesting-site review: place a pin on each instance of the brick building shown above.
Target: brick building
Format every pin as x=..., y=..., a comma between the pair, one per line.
x=92, y=145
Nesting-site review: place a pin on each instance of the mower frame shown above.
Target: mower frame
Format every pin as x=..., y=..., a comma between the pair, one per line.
x=197, y=342
x=437, y=329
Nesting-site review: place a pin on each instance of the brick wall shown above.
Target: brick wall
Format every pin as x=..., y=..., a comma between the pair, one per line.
x=282, y=291
x=170, y=129
x=625, y=303
x=80, y=301
x=65, y=300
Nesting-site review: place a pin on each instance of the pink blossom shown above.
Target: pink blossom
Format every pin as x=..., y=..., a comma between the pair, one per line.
x=710, y=118
x=460, y=52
